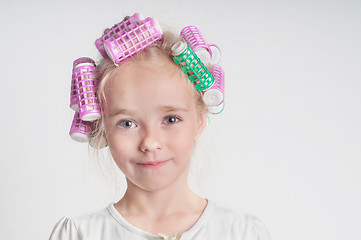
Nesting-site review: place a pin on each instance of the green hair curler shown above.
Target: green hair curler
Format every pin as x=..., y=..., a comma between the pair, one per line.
x=192, y=66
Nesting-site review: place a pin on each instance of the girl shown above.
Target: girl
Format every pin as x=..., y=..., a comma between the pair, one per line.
x=151, y=116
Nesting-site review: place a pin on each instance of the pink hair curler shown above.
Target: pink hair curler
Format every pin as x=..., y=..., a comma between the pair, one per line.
x=207, y=53
x=82, y=60
x=214, y=96
x=85, y=75
x=196, y=41
x=80, y=129
x=116, y=29
x=130, y=36
x=73, y=92
x=73, y=95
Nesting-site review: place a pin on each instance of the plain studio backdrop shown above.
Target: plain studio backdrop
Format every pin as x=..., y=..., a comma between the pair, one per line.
x=286, y=148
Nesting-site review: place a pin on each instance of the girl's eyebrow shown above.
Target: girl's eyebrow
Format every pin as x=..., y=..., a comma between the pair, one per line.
x=173, y=108
x=122, y=111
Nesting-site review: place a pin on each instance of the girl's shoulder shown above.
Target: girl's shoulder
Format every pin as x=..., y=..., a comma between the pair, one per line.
x=228, y=220
x=75, y=227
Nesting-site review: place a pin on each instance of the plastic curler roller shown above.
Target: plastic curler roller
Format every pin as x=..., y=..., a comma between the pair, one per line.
x=85, y=76
x=216, y=109
x=216, y=54
x=191, y=65
x=73, y=95
x=208, y=53
x=73, y=92
x=196, y=41
x=130, y=36
x=214, y=96
x=133, y=20
x=80, y=129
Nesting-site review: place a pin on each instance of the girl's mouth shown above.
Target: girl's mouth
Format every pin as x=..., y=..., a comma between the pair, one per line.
x=153, y=165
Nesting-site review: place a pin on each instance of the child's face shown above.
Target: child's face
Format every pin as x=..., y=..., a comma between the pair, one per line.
x=151, y=123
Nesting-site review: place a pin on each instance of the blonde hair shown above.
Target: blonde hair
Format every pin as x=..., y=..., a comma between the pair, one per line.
x=107, y=69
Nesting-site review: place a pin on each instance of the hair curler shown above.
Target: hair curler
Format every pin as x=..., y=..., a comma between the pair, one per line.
x=207, y=53
x=133, y=20
x=73, y=95
x=129, y=37
x=73, y=92
x=80, y=129
x=85, y=76
x=214, y=96
x=196, y=41
x=216, y=54
x=216, y=109
x=191, y=65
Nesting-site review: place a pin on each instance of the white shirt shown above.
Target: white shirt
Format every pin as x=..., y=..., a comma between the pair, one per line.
x=215, y=223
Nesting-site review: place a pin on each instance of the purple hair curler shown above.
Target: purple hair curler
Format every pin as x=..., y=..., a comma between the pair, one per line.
x=196, y=41
x=129, y=37
x=85, y=76
x=73, y=92
x=133, y=20
x=214, y=96
x=207, y=53
x=79, y=130
x=73, y=95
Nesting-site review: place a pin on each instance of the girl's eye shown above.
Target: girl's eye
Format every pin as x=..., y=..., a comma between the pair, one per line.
x=171, y=120
x=127, y=124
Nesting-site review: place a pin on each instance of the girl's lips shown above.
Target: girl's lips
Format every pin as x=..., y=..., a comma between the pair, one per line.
x=153, y=165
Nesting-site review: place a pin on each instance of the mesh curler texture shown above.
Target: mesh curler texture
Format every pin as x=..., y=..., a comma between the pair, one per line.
x=133, y=20
x=215, y=95
x=79, y=130
x=208, y=53
x=85, y=71
x=73, y=92
x=129, y=37
x=73, y=95
x=192, y=66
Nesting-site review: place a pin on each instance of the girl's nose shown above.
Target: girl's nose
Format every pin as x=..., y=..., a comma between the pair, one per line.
x=150, y=141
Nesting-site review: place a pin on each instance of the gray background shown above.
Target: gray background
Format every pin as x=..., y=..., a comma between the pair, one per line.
x=286, y=148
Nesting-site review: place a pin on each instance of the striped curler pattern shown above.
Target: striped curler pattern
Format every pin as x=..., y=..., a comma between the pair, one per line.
x=192, y=66
x=85, y=76
x=208, y=53
x=193, y=37
x=80, y=129
x=129, y=37
x=196, y=41
x=215, y=95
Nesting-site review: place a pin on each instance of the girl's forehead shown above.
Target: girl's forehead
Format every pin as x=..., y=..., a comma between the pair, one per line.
x=149, y=84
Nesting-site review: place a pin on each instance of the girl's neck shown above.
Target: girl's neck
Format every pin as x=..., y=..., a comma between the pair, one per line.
x=171, y=200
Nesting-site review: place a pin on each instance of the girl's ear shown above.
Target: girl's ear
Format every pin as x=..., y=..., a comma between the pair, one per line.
x=202, y=122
